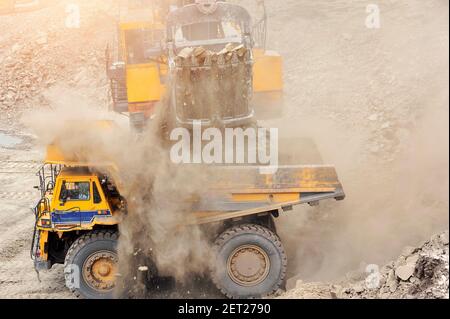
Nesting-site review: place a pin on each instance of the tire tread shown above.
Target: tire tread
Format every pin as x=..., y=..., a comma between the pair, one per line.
x=79, y=244
x=256, y=229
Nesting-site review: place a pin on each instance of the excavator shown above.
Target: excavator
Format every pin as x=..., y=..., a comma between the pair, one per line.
x=137, y=60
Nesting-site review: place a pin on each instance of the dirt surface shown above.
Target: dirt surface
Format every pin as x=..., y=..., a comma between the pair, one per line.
x=42, y=65
x=375, y=101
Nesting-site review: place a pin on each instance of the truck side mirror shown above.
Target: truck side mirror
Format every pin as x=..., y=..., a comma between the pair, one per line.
x=63, y=198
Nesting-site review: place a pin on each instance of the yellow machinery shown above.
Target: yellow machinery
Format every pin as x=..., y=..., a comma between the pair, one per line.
x=81, y=208
x=139, y=59
x=134, y=60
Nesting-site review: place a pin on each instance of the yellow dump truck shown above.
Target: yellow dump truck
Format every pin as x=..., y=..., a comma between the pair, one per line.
x=79, y=215
x=82, y=205
x=139, y=63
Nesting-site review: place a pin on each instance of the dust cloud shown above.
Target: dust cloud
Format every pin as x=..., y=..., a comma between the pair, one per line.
x=380, y=115
x=158, y=193
x=376, y=105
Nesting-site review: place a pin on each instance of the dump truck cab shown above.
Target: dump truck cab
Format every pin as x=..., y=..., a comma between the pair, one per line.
x=75, y=202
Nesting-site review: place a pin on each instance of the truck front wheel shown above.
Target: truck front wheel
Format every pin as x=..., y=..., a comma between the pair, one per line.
x=250, y=262
x=90, y=265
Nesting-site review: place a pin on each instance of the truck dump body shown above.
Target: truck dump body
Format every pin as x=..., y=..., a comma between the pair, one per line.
x=239, y=192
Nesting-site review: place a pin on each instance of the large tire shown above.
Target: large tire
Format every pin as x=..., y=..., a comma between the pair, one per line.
x=96, y=244
x=250, y=262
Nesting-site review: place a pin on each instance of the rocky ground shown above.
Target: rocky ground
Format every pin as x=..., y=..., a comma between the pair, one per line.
x=419, y=273
x=375, y=101
x=41, y=53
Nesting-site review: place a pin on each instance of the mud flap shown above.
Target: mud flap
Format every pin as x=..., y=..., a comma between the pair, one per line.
x=42, y=265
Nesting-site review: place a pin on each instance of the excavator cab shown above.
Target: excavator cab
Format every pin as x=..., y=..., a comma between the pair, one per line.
x=135, y=66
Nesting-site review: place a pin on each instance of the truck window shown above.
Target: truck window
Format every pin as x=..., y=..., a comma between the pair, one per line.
x=75, y=191
x=96, y=194
x=201, y=31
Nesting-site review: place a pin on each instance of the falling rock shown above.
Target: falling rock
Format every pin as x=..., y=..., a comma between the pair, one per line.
x=405, y=272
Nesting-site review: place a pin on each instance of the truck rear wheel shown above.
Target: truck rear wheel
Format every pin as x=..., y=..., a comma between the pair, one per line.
x=250, y=262
x=90, y=266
